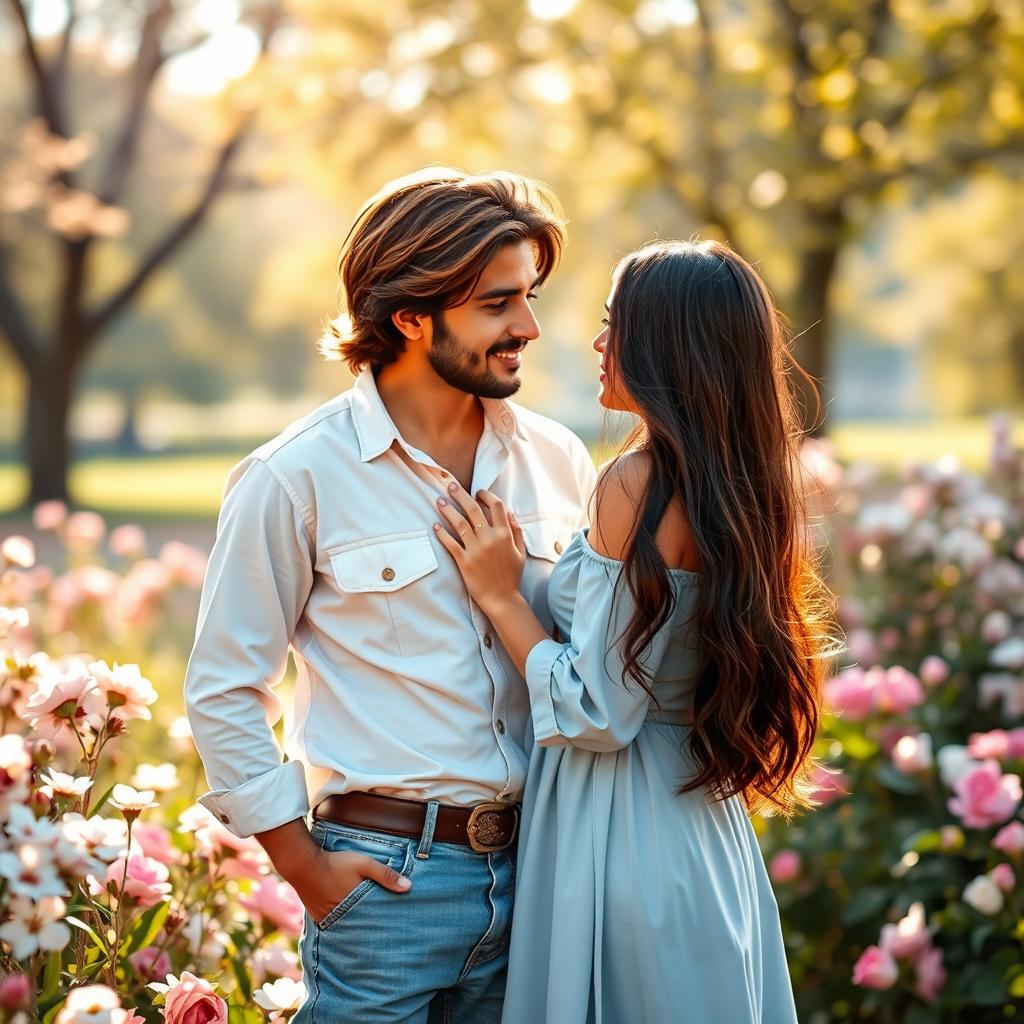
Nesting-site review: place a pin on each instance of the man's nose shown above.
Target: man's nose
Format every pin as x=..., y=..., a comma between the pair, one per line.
x=527, y=326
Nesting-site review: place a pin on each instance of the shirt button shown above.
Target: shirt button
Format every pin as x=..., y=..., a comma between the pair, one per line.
x=500, y=726
x=558, y=547
x=224, y=818
x=488, y=642
x=388, y=574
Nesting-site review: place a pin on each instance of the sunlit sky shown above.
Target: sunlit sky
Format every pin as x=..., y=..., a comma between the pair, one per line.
x=231, y=49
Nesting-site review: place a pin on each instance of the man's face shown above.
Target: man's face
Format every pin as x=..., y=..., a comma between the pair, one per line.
x=477, y=347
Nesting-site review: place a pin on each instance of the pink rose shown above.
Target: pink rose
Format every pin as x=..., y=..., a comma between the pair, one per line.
x=146, y=881
x=933, y=671
x=785, y=866
x=1015, y=743
x=155, y=841
x=931, y=975
x=898, y=691
x=984, y=796
x=1003, y=876
x=128, y=541
x=151, y=962
x=1010, y=839
x=277, y=903
x=15, y=992
x=84, y=530
x=875, y=968
x=849, y=694
x=49, y=515
x=192, y=1001
x=982, y=745
x=187, y=564
x=909, y=937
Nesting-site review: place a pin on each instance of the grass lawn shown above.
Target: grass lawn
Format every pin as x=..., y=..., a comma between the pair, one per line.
x=190, y=486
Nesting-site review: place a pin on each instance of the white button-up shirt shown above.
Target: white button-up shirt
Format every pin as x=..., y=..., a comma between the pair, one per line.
x=325, y=546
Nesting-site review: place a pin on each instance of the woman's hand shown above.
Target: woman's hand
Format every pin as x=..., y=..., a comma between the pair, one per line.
x=486, y=542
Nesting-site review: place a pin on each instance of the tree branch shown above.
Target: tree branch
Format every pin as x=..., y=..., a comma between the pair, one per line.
x=14, y=322
x=46, y=100
x=172, y=239
x=147, y=64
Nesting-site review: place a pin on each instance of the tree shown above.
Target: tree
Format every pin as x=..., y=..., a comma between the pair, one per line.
x=75, y=215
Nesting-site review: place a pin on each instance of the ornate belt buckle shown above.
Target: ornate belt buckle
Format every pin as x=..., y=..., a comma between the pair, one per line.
x=483, y=828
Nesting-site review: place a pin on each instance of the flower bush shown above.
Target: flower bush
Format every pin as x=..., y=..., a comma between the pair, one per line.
x=901, y=894
x=108, y=914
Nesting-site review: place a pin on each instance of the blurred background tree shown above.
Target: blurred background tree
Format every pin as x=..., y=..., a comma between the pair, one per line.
x=864, y=156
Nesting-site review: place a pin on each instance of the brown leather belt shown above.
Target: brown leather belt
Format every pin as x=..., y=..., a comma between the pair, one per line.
x=486, y=828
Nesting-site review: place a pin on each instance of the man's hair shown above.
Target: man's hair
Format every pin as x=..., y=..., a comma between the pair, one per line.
x=421, y=245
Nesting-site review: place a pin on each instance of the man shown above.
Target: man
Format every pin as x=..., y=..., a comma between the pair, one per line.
x=407, y=732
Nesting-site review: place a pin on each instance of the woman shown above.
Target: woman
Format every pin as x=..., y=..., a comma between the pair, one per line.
x=687, y=692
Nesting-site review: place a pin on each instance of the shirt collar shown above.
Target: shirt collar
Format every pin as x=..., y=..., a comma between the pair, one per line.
x=377, y=432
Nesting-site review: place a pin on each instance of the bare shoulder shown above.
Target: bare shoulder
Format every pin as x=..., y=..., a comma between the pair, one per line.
x=618, y=500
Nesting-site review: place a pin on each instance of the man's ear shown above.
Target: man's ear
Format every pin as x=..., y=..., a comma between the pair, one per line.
x=411, y=325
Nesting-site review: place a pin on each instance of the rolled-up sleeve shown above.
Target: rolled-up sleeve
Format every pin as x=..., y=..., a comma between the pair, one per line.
x=258, y=580
x=578, y=694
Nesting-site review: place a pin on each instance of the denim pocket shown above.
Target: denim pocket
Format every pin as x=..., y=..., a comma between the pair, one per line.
x=394, y=851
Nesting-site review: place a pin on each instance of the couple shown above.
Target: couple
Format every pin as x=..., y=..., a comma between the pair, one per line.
x=421, y=544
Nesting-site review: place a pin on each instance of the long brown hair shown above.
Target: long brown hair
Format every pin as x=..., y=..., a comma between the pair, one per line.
x=421, y=245
x=696, y=342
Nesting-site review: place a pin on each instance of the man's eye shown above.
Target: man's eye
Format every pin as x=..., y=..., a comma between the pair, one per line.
x=499, y=306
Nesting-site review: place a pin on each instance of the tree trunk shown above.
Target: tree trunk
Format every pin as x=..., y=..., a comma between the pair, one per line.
x=812, y=322
x=47, y=441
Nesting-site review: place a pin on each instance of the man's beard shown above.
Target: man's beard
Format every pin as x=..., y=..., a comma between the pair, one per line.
x=465, y=369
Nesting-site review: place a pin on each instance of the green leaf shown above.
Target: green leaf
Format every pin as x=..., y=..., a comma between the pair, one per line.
x=895, y=780
x=77, y=923
x=98, y=806
x=869, y=902
x=146, y=927
x=241, y=973
x=51, y=976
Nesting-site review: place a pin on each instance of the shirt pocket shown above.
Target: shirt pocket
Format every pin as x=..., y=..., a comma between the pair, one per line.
x=545, y=540
x=381, y=574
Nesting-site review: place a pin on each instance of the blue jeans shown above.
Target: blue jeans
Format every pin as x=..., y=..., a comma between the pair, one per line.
x=436, y=954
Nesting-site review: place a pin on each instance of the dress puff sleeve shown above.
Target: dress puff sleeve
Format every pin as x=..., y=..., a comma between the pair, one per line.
x=578, y=695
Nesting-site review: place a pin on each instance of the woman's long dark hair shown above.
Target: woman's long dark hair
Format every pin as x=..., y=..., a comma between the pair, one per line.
x=696, y=342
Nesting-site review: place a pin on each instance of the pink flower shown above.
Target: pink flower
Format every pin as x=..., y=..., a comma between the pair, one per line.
x=913, y=754
x=982, y=745
x=909, y=937
x=146, y=882
x=49, y=515
x=84, y=530
x=151, y=963
x=1003, y=876
x=187, y=564
x=829, y=785
x=875, y=968
x=155, y=841
x=61, y=698
x=785, y=866
x=15, y=992
x=931, y=975
x=127, y=693
x=933, y=671
x=985, y=797
x=850, y=694
x=277, y=903
x=192, y=1000
x=1010, y=839
x=898, y=691
x=128, y=541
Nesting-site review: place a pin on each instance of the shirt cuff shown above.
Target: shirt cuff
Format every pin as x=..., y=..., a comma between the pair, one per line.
x=539, y=665
x=260, y=804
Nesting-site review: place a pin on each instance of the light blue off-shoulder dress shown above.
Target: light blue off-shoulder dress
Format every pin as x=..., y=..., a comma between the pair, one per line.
x=634, y=905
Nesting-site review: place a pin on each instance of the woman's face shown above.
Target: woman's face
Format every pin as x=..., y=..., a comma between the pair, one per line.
x=612, y=394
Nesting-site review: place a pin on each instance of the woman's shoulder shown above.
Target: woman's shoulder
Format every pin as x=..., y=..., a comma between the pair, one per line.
x=618, y=500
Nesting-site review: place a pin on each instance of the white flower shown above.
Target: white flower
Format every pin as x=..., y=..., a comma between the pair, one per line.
x=995, y=686
x=15, y=759
x=35, y=925
x=180, y=731
x=92, y=1004
x=12, y=618
x=128, y=693
x=996, y=626
x=965, y=548
x=159, y=777
x=104, y=838
x=1009, y=654
x=61, y=784
x=30, y=872
x=19, y=551
x=127, y=798
x=880, y=522
x=283, y=994
x=913, y=753
x=984, y=896
x=954, y=761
